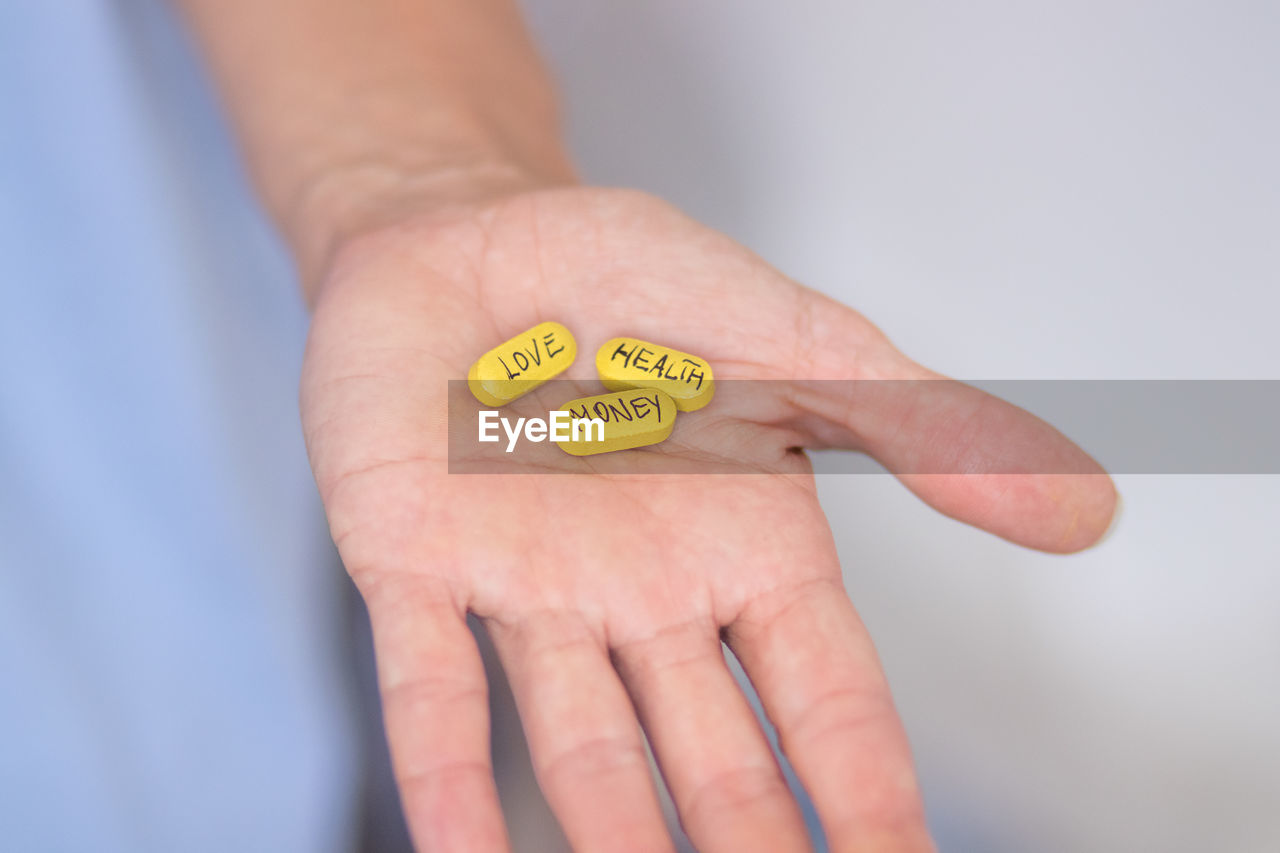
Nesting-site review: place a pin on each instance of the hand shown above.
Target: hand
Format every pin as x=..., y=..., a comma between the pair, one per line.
x=607, y=596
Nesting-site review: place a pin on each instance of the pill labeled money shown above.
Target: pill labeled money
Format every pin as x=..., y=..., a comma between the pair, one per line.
x=631, y=363
x=618, y=421
x=517, y=366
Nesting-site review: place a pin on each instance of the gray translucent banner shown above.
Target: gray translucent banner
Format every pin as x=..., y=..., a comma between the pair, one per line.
x=916, y=427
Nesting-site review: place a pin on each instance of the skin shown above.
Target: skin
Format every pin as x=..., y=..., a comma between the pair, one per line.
x=607, y=594
x=425, y=236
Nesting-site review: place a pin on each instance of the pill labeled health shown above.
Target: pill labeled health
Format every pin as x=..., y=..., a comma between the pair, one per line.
x=618, y=421
x=631, y=363
x=521, y=364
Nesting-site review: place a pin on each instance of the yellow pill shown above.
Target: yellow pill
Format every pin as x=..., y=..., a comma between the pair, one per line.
x=521, y=364
x=618, y=421
x=630, y=363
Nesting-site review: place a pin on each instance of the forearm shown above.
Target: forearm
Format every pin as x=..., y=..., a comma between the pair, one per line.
x=349, y=109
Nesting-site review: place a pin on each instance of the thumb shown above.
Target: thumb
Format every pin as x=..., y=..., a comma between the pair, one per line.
x=970, y=455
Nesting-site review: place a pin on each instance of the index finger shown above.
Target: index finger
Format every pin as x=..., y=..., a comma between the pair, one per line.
x=818, y=678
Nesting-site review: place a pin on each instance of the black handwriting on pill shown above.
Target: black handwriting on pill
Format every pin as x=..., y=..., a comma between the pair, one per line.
x=526, y=356
x=685, y=370
x=628, y=409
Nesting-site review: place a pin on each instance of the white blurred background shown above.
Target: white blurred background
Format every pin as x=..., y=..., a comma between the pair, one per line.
x=1010, y=190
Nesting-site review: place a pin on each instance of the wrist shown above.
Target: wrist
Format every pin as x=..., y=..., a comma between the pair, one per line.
x=358, y=193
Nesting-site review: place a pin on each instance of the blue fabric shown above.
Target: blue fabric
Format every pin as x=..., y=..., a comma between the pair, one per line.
x=171, y=622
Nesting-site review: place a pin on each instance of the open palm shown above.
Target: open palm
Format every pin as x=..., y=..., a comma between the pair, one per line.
x=607, y=594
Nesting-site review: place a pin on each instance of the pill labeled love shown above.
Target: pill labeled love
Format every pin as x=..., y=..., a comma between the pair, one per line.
x=619, y=421
x=631, y=363
x=521, y=364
